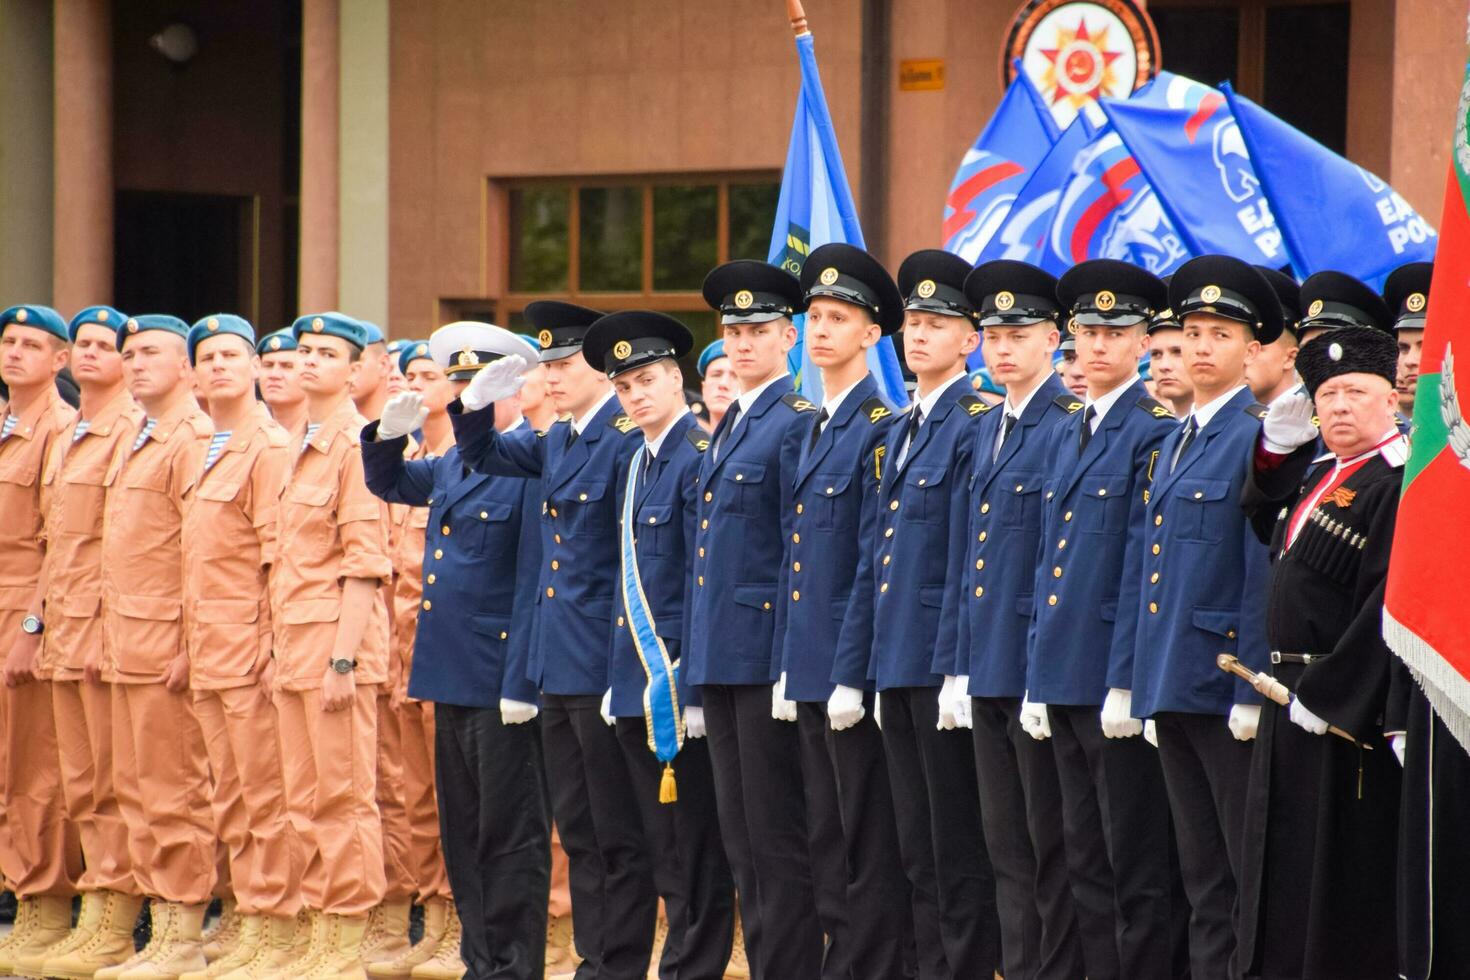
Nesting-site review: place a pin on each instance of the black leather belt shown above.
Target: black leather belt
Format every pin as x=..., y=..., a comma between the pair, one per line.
x=1277, y=657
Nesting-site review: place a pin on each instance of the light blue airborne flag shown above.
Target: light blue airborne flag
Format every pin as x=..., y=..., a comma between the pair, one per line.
x=1332, y=213
x=996, y=168
x=1189, y=148
x=816, y=208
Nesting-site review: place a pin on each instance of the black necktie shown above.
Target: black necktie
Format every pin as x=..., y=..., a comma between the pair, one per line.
x=571, y=435
x=817, y=430
x=1191, y=429
x=727, y=426
x=1086, y=436
x=1006, y=425
x=916, y=419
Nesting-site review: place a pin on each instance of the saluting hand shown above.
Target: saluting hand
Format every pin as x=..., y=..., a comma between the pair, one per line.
x=496, y=380
x=1288, y=423
x=402, y=414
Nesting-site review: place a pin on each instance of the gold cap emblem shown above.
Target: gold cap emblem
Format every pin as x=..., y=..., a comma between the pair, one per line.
x=622, y=349
x=1210, y=293
x=926, y=289
x=20, y=316
x=132, y=326
x=828, y=276
x=1105, y=300
x=744, y=299
x=318, y=325
x=275, y=343
x=544, y=338
x=213, y=323
x=1072, y=325
x=1004, y=300
x=101, y=316
x=1315, y=308
x=421, y=351
x=1415, y=302
x=466, y=357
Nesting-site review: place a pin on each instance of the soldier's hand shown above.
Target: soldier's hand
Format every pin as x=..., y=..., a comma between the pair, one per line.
x=20, y=666
x=268, y=681
x=845, y=707
x=496, y=380
x=402, y=414
x=694, y=722
x=1305, y=718
x=177, y=677
x=516, y=712
x=782, y=708
x=605, y=709
x=337, y=690
x=1288, y=423
x=1244, y=720
x=1400, y=743
x=1117, y=715
x=92, y=668
x=1034, y=720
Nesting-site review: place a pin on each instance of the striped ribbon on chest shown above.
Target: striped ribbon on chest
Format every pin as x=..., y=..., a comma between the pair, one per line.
x=665, y=722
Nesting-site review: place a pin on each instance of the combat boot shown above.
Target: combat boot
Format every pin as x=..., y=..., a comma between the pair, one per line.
x=220, y=936
x=385, y=936
x=342, y=955
x=25, y=921
x=160, y=920
x=182, y=950
x=305, y=959
x=276, y=950
x=109, y=945
x=446, y=963
x=48, y=922
x=247, y=943
x=561, y=953
x=88, y=922
x=436, y=918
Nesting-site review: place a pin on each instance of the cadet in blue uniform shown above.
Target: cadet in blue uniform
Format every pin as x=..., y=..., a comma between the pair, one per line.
x=1020, y=800
x=614, y=904
x=470, y=653
x=735, y=627
x=1406, y=293
x=849, y=805
x=1203, y=593
x=1115, y=812
x=916, y=556
x=1331, y=300
x=657, y=502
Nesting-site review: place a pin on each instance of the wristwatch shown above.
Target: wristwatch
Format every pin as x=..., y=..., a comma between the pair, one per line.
x=342, y=665
x=32, y=625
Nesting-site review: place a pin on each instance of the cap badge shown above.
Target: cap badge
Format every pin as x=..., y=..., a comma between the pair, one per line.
x=744, y=299
x=544, y=338
x=466, y=357
x=101, y=316
x=828, y=276
x=1314, y=309
x=1105, y=300
x=132, y=326
x=1072, y=325
x=213, y=323
x=20, y=316
x=1004, y=300
x=422, y=350
x=318, y=325
x=1335, y=352
x=1210, y=293
x=622, y=349
x=275, y=343
x=1415, y=302
x=926, y=289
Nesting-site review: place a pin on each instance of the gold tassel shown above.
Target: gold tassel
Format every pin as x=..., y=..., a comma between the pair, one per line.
x=668, y=791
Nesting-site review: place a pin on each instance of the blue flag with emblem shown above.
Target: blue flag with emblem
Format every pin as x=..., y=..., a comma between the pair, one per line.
x=1189, y=148
x=1023, y=233
x=661, y=713
x=816, y=208
x=996, y=169
x=1332, y=213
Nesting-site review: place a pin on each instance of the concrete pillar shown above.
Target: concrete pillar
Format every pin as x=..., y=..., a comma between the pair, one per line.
x=363, y=168
x=83, y=189
x=320, y=140
x=1428, y=69
x=26, y=150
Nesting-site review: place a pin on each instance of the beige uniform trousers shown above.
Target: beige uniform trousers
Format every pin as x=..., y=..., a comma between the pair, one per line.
x=83, y=715
x=41, y=853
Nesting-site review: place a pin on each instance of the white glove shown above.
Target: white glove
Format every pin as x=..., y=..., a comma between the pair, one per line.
x=516, y=712
x=954, y=704
x=845, y=708
x=1034, y=720
x=1288, y=424
x=1400, y=743
x=694, y=722
x=782, y=709
x=496, y=380
x=1151, y=733
x=1244, y=719
x=878, y=710
x=1117, y=715
x=402, y=414
x=1302, y=716
x=606, y=707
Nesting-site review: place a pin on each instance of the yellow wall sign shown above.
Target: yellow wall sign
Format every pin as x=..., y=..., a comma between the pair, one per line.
x=921, y=75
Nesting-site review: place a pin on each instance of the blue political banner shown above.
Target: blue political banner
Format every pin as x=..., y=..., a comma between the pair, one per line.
x=1022, y=234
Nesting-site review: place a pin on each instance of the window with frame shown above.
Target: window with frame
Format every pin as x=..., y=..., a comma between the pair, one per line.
x=616, y=243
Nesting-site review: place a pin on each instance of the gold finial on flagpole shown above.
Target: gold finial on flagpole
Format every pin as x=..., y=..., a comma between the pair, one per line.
x=798, y=18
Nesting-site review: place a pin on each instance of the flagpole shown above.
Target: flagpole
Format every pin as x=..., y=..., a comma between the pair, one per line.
x=798, y=18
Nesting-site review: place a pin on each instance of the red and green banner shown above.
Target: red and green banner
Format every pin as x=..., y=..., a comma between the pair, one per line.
x=1426, y=616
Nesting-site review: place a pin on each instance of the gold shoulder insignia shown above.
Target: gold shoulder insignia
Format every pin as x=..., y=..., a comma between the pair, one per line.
x=1153, y=458
x=799, y=403
x=878, y=453
x=1068, y=403
x=973, y=405
x=875, y=410
x=1257, y=410
x=1155, y=407
x=623, y=424
x=697, y=437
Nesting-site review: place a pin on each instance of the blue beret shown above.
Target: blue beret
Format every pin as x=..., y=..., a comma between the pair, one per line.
x=412, y=350
x=103, y=316
x=709, y=355
x=220, y=323
x=273, y=343
x=395, y=347
x=374, y=334
x=332, y=325
x=985, y=382
x=152, y=321
x=40, y=317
